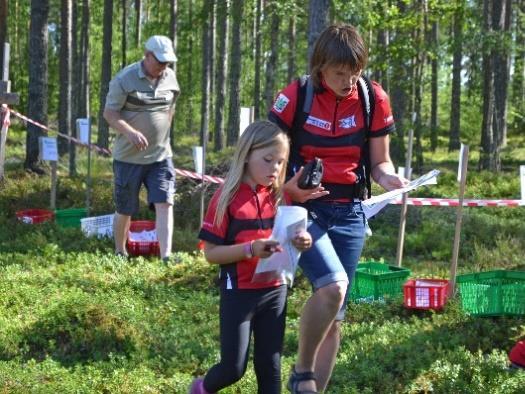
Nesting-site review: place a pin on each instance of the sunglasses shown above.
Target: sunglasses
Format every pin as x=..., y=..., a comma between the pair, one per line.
x=158, y=61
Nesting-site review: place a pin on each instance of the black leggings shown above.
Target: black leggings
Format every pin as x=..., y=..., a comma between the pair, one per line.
x=242, y=312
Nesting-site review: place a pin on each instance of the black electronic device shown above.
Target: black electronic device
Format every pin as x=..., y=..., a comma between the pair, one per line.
x=311, y=175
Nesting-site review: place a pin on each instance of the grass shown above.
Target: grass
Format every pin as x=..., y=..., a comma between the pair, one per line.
x=76, y=319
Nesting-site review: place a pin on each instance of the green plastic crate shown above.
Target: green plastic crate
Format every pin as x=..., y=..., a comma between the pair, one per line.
x=375, y=281
x=70, y=217
x=493, y=293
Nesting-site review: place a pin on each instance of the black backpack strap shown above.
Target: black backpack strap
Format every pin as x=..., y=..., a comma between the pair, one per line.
x=367, y=95
x=305, y=96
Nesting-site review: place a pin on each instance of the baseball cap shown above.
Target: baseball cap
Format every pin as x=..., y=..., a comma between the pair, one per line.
x=162, y=48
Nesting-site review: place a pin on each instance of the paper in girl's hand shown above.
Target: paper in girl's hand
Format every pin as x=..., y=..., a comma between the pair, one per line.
x=289, y=221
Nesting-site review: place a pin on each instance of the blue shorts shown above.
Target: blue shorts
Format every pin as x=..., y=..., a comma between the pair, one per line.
x=159, y=179
x=338, y=233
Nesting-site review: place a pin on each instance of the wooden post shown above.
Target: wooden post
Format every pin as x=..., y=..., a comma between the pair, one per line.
x=5, y=98
x=53, y=198
x=88, y=180
x=459, y=217
x=404, y=207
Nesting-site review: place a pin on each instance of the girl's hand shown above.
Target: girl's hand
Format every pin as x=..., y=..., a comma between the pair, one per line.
x=264, y=248
x=301, y=195
x=302, y=241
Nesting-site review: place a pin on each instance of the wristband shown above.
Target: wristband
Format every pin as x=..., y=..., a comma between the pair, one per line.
x=248, y=249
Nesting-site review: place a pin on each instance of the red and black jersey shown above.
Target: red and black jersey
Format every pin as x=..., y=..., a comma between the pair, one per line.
x=334, y=130
x=250, y=216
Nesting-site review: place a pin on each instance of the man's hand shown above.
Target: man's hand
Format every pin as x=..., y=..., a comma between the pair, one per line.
x=301, y=195
x=137, y=139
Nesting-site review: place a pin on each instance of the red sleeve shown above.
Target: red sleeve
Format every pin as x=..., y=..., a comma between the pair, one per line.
x=383, y=121
x=283, y=109
x=210, y=231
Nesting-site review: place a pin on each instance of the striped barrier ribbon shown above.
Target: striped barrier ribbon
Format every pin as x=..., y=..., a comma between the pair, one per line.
x=416, y=201
x=67, y=137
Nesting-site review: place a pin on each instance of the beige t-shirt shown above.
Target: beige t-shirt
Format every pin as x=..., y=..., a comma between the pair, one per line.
x=146, y=106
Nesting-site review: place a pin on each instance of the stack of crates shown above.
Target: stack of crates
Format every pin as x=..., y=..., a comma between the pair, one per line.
x=376, y=281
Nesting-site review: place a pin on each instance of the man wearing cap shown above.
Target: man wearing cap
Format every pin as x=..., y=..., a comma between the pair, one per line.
x=139, y=106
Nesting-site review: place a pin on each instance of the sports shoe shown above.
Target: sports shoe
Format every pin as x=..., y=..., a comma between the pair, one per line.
x=197, y=387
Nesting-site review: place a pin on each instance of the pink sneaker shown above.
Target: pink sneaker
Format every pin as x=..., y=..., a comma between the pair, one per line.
x=197, y=387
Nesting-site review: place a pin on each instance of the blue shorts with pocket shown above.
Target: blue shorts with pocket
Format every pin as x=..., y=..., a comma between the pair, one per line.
x=338, y=233
x=158, y=177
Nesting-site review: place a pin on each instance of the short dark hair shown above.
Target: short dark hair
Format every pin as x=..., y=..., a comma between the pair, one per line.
x=338, y=45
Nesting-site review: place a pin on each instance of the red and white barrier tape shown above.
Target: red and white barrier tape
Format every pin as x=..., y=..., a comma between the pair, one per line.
x=194, y=175
x=454, y=202
x=6, y=122
x=67, y=137
x=417, y=201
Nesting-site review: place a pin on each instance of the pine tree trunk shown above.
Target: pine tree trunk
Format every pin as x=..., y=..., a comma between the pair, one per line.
x=64, y=114
x=105, y=74
x=487, y=138
x=518, y=77
x=434, y=89
x=271, y=66
x=235, y=73
x=174, y=27
x=382, y=48
x=291, y=49
x=173, y=35
x=138, y=22
x=220, y=78
x=318, y=12
x=501, y=71
x=38, y=78
x=124, y=25
x=83, y=110
x=455, y=97
x=205, y=81
x=189, y=124
x=257, y=61
x=3, y=32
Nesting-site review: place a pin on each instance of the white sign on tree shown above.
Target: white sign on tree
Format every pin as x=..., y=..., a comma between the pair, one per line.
x=198, y=159
x=83, y=130
x=48, y=148
x=246, y=117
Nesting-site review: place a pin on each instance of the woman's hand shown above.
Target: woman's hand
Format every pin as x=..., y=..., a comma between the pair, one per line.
x=264, y=248
x=302, y=241
x=301, y=195
x=392, y=181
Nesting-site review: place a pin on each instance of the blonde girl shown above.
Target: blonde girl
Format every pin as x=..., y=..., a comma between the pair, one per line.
x=235, y=232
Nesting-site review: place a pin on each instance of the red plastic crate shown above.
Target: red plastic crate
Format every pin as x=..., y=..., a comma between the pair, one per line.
x=425, y=293
x=142, y=248
x=34, y=216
